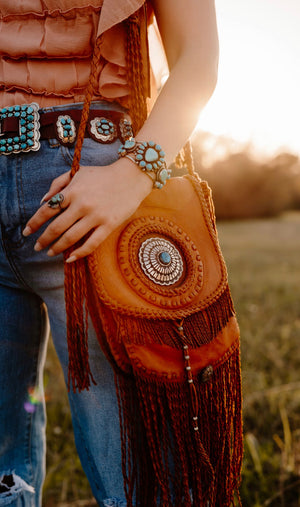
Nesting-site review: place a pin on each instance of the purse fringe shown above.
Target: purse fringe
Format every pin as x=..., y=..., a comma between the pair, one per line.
x=165, y=461
x=201, y=327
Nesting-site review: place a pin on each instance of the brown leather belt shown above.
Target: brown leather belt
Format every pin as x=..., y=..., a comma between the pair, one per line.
x=21, y=127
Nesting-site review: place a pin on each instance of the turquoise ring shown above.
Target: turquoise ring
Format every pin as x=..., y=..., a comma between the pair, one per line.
x=56, y=201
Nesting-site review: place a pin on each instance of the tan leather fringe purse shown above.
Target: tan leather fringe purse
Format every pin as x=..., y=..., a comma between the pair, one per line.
x=158, y=295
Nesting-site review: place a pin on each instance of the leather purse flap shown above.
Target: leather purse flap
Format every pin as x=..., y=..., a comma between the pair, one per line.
x=165, y=261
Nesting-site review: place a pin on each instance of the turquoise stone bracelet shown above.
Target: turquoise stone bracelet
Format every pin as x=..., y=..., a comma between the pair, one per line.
x=149, y=156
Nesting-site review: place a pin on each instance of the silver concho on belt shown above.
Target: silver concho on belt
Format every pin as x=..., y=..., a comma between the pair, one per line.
x=66, y=129
x=161, y=261
x=103, y=130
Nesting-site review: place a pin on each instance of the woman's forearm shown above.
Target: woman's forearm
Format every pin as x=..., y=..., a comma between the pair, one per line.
x=191, y=45
x=176, y=111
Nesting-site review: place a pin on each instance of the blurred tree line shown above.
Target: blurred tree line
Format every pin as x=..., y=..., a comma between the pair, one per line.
x=244, y=186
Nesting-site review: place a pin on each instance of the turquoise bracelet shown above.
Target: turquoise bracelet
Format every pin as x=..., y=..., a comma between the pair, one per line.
x=149, y=157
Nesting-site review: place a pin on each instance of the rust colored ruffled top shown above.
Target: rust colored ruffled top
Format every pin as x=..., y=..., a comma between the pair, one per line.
x=46, y=48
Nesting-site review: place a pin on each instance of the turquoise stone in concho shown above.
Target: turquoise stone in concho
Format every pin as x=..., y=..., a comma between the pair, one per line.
x=66, y=130
x=125, y=129
x=165, y=258
x=103, y=130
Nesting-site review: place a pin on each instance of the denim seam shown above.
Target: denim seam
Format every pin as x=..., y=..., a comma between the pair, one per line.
x=34, y=382
x=21, y=200
x=18, y=166
x=66, y=155
x=28, y=447
x=90, y=458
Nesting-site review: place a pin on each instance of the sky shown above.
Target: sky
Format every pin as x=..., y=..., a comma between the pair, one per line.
x=257, y=98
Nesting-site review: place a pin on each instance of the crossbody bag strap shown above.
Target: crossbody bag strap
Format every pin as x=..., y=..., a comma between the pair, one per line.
x=86, y=107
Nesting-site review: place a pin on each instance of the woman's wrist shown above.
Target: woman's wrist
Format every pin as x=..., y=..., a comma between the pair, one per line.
x=149, y=158
x=127, y=169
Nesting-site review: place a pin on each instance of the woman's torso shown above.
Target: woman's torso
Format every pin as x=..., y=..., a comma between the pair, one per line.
x=46, y=48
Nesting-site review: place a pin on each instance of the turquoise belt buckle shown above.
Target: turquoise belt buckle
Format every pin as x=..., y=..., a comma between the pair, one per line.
x=27, y=138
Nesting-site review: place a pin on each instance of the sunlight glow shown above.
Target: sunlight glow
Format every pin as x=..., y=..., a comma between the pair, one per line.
x=257, y=96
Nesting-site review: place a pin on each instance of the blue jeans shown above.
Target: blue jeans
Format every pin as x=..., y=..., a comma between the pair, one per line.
x=31, y=288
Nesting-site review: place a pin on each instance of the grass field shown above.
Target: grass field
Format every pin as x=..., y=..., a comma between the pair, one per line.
x=263, y=258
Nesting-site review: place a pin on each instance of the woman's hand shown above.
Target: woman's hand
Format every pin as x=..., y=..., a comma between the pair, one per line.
x=96, y=201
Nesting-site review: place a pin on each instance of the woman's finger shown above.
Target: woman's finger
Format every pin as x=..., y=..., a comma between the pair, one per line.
x=92, y=242
x=46, y=212
x=57, y=227
x=71, y=236
x=56, y=186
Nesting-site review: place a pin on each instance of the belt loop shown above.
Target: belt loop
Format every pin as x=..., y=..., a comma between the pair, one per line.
x=53, y=142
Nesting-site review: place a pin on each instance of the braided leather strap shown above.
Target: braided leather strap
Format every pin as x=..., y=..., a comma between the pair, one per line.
x=86, y=107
